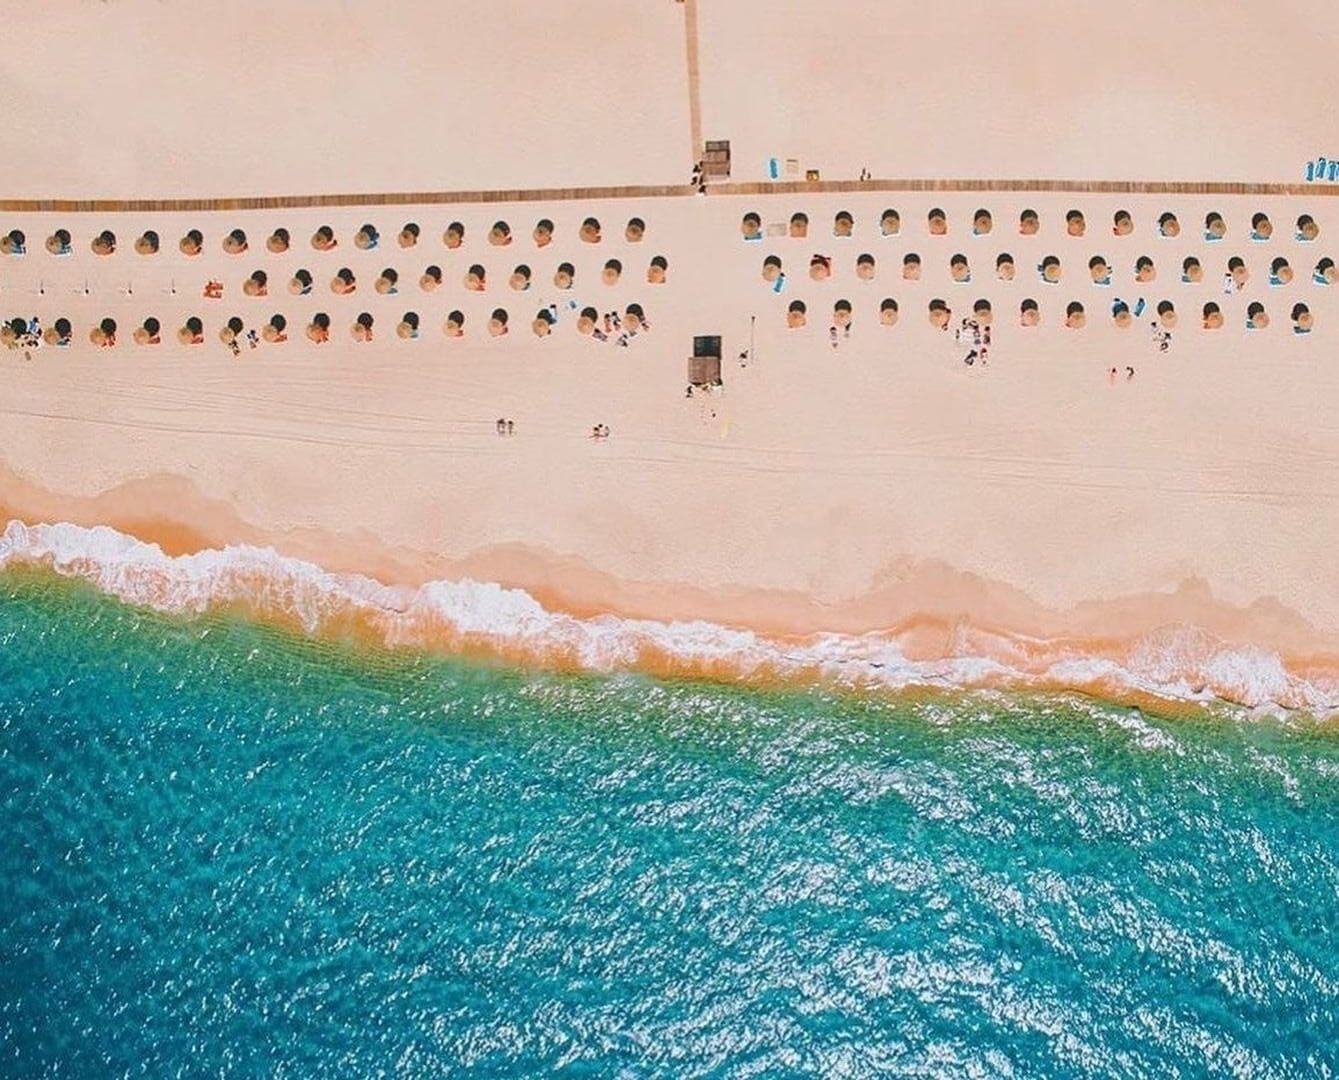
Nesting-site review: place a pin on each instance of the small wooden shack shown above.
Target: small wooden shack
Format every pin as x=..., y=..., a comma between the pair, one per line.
x=716, y=160
x=704, y=366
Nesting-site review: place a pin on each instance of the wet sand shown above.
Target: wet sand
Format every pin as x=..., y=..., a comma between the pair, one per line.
x=880, y=486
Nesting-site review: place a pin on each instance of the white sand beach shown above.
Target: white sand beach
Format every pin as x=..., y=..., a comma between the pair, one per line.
x=1043, y=505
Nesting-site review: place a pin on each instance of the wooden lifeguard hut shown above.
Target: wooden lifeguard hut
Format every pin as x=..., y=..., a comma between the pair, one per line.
x=716, y=160
x=704, y=366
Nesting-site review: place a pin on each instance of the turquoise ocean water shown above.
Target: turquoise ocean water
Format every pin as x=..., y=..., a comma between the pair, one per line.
x=227, y=851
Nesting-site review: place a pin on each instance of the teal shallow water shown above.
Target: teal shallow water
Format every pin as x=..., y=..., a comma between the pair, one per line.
x=227, y=851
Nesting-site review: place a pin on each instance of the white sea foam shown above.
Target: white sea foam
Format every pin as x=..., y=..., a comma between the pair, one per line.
x=1176, y=663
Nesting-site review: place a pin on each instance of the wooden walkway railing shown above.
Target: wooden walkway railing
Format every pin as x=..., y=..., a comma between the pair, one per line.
x=591, y=194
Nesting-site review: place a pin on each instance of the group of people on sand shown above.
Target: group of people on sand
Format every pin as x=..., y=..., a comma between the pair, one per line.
x=27, y=334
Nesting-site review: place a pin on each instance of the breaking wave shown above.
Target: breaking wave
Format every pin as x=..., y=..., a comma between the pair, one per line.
x=1175, y=663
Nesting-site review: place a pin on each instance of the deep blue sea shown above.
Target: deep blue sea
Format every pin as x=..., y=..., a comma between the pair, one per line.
x=230, y=851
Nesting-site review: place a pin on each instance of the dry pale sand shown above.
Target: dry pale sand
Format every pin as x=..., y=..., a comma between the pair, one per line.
x=1145, y=90
x=142, y=99
x=879, y=485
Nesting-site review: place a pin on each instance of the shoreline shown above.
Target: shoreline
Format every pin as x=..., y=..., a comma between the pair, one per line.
x=1170, y=647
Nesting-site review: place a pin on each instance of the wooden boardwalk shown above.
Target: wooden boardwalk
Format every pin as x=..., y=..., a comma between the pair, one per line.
x=590, y=194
